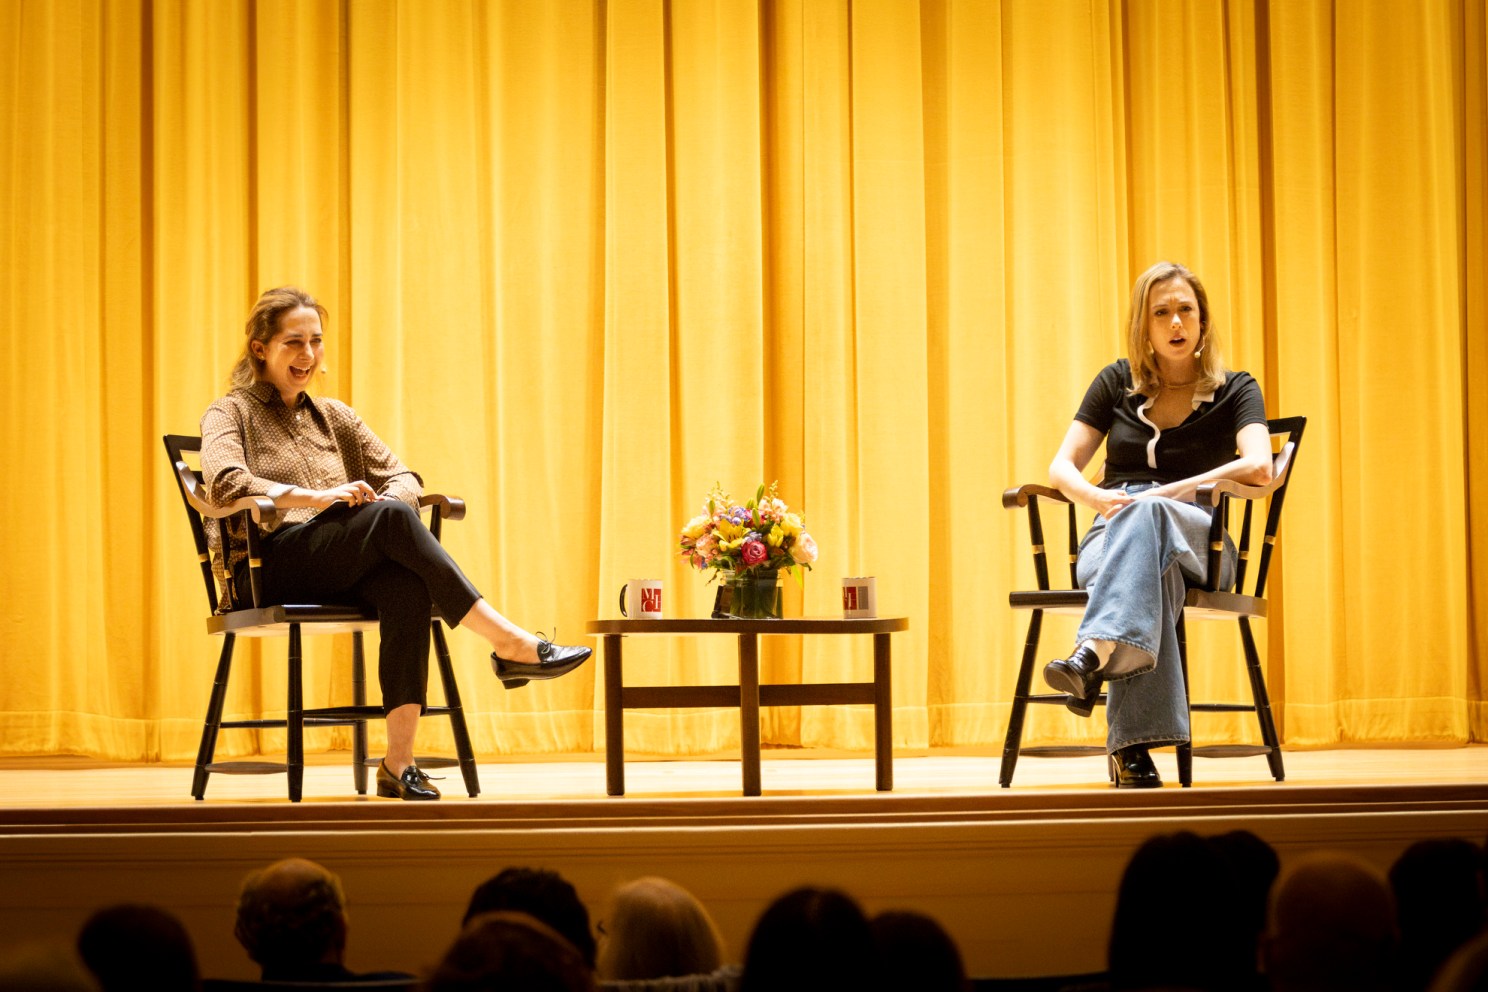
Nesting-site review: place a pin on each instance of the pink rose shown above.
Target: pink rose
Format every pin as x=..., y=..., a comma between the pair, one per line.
x=804, y=550
x=754, y=552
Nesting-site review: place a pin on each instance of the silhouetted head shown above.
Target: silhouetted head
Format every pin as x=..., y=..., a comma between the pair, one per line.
x=510, y=951
x=915, y=952
x=1331, y=926
x=811, y=939
x=291, y=915
x=132, y=946
x=1185, y=886
x=543, y=894
x=654, y=928
x=1438, y=889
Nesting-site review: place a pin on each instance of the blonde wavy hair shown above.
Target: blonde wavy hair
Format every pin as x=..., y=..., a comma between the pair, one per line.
x=263, y=324
x=1145, y=375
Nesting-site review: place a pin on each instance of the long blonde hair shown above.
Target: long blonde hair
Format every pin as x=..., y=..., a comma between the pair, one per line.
x=1145, y=375
x=263, y=324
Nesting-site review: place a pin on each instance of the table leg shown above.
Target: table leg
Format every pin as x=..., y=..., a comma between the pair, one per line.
x=883, y=714
x=749, y=715
x=614, y=718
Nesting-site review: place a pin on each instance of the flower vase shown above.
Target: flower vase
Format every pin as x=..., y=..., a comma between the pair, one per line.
x=749, y=595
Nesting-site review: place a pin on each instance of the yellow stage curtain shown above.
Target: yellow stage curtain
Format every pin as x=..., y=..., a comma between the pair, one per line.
x=585, y=259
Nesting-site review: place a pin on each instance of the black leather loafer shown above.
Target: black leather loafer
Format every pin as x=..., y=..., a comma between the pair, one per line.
x=1075, y=675
x=1132, y=768
x=553, y=660
x=412, y=784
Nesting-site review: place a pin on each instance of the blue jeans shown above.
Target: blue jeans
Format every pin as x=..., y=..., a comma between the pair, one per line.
x=1134, y=566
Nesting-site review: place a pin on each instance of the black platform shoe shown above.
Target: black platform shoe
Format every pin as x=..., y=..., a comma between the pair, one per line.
x=1076, y=675
x=412, y=784
x=553, y=660
x=1132, y=768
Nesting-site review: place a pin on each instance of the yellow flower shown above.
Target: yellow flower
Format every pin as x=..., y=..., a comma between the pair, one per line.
x=776, y=537
x=791, y=524
x=695, y=528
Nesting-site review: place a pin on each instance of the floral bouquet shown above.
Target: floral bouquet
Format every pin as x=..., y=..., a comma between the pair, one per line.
x=762, y=535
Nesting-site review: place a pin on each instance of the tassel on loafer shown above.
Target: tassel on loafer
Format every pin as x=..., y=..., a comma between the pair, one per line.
x=553, y=660
x=413, y=784
x=1132, y=768
x=1077, y=675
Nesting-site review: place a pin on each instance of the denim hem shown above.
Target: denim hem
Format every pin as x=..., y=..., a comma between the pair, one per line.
x=1151, y=742
x=1132, y=674
x=1149, y=652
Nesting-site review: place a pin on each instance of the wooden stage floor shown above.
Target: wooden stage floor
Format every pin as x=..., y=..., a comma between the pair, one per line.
x=996, y=866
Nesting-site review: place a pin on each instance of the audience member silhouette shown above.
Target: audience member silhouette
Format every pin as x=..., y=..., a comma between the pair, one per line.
x=1438, y=888
x=1466, y=970
x=915, y=952
x=132, y=946
x=656, y=929
x=811, y=939
x=1179, y=920
x=1331, y=927
x=511, y=951
x=1255, y=866
x=292, y=922
x=43, y=967
x=542, y=894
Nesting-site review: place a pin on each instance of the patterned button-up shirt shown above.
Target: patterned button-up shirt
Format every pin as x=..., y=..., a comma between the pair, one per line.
x=254, y=445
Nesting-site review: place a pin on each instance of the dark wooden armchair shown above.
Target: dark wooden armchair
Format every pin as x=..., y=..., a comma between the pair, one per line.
x=1246, y=603
x=257, y=619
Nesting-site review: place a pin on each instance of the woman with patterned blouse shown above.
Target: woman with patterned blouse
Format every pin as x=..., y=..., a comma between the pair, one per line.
x=1172, y=417
x=351, y=530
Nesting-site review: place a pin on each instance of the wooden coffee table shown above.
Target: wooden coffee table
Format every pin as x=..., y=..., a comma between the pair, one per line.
x=748, y=695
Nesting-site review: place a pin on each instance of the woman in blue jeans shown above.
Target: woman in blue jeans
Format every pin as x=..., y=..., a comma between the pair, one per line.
x=1172, y=417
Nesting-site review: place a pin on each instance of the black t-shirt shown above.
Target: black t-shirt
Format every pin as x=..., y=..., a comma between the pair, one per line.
x=1202, y=442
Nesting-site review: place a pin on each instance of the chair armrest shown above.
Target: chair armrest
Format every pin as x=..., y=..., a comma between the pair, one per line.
x=448, y=507
x=261, y=508
x=1019, y=495
x=1208, y=494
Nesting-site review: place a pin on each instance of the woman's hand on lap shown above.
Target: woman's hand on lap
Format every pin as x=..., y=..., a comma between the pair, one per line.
x=1108, y=502
x=355, y=493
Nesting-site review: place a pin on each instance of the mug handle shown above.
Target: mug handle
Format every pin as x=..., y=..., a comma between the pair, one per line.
x=622, y=600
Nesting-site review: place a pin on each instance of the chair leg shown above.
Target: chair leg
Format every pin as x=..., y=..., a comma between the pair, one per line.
x=359, y=729
x=456, y=711
x=295, y=718
x=1262, y=701
x=1014, y=741
x=213, y=722
x=1185, y=751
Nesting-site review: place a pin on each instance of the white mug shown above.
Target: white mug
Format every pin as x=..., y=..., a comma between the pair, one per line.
x=640, y=599
x=859, y=598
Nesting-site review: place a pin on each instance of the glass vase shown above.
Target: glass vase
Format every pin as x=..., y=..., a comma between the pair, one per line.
x=753, y=594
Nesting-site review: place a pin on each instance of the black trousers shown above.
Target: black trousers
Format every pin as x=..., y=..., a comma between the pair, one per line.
x=379, y=555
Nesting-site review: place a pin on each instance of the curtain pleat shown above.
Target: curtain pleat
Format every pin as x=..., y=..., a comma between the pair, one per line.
x=585, y=259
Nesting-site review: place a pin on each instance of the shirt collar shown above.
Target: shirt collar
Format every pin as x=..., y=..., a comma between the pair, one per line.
x=265, y=393
x=1208, y=397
